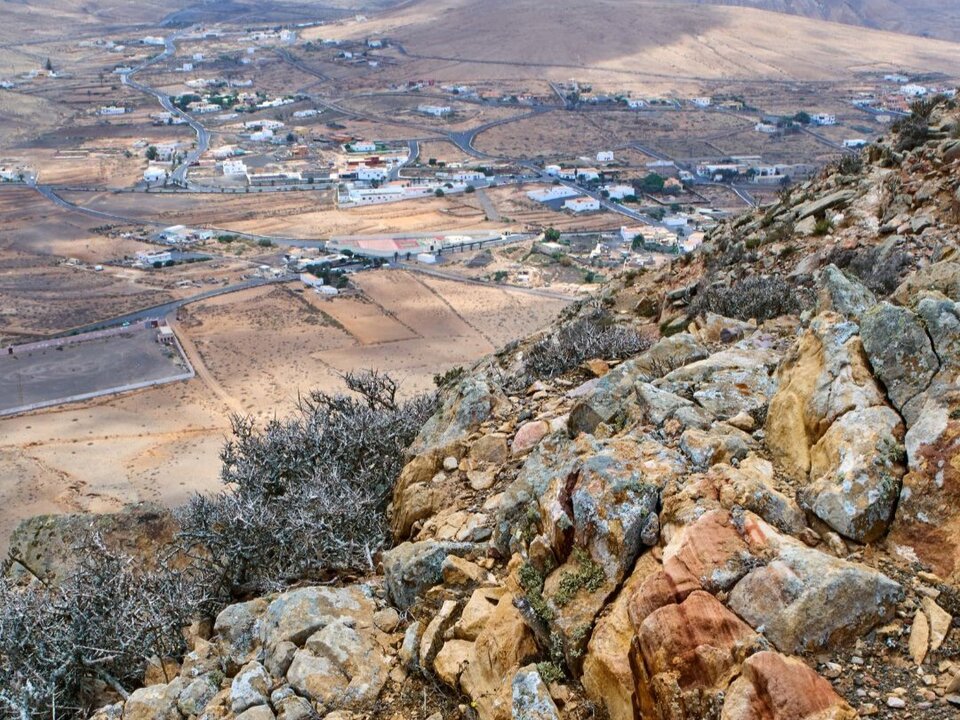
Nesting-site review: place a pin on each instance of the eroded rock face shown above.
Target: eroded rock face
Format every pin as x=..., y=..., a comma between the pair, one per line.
x=412, y=568
x=469, y=404
x=685, y=656
x=531, y=698
x=774, y=687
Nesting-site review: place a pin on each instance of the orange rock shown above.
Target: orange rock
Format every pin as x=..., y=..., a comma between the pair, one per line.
x=685, y=655
x=776, y=687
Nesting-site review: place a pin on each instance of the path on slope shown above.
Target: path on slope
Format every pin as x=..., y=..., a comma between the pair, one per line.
x=203, y=372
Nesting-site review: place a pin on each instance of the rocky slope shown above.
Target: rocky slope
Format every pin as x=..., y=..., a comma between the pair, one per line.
x=755, y=517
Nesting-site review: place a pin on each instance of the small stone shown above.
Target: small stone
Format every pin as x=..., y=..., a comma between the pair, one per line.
x=481, y=479
x=953, y=699
x=742, y=421
x=528, y=436
x=450, y=463
x=896, y=702
x=940, y=621
x=919, y=637
x=832, y=670
x=386, y=619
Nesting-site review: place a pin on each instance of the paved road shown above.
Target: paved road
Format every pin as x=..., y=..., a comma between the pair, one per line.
x=163, y=309
x=179, y=175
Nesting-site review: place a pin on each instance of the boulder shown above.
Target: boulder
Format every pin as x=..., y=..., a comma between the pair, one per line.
x=476, y=612
x=855, y=473
x=503, y=646
x=823, y=376
x=531, y=698
x=297, y=614
x=452, y=660
x=772, y=686
x=467, y=405
x=842, y=294
x=806, y=600
x=720, y=443
x=154, y=702
x=250, y=687
x=340, y=666
x=488, y=450
x=198, y=694
x=410, y=569
x=728, y=382
x=527, y=437
x=257, y=712
x=658, y=406
x=900, y=351
x=238, y=631
x=685, y=656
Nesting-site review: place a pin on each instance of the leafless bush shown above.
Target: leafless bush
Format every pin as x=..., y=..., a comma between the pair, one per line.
x=595, y=335
x=306, y=495
x=879, y=271
x=61, y=644
x=756, y=297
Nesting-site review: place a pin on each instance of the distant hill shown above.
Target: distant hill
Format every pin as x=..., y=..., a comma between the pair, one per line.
x=928, y=18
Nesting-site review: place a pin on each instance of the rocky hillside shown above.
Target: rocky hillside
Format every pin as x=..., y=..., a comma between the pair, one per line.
x=729, y=489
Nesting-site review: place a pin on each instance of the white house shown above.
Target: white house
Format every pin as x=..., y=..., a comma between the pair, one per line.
x=435, y=110
x=363, y=146
x=586, y=174
x=234, y=167
x=372, y=173
x=152, y=40
x=555, y=192
x=312, y=112
x=701, y=102
x=854, y=143
x=113, y=110
x=204, y=108
x=636, y=103
x=552, y=170
x=149, y=257
x=823, y=119
x=186, y=67
x=198, y=57
x=155, y=174
x=896, y=78
x=605, y=156
x=466, y=176
x=261, y=136
x=288, y=36
x=263, y=125
x=767, y=128
x=371, y=43
x=619, y=192
x=582, y=204
x=914, y=90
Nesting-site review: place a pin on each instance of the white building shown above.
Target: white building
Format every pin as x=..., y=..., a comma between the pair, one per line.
x=464, y=176
x=313, y=112
x=113, y=110
x=582, y=204
x=435, y=110
x=186, y=67
x=155, y=174
x=363, y=146
x=914, y=90
x=203, y=108
x=586, y=174
x=152, y=40
x=766, y=128
x=234, y=167
x=261, y=136
x=896, y=78
x=263, y=125
x=372, y=173
x=198, y=57
x=374, y=43
x=701, y=102
x=636, y=103
x=288, y=36
x=619, y=192
x=605, y=156
x=855, y=143
x=556, y=192
x=552, y=170
x=823, y=119
x=149, y=257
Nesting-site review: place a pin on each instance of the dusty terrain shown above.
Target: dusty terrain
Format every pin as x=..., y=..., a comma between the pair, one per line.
x=257, y=350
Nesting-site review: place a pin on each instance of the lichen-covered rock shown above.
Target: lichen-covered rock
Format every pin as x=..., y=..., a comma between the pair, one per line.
x=806, y=600
x=238, y=631
x=154, y=702
x=412, y=568
x=470, y=403
x=855, y=473
x=840, y=293
x=531, y=698
x=250, y=686
x=901, y=353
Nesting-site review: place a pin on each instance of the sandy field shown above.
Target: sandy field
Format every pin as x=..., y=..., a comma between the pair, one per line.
x=254, y=352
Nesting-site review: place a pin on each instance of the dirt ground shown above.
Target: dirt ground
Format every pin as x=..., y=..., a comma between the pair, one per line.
x=258, y=350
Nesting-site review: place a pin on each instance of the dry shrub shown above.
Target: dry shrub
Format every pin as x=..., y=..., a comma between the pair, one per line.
x=758, y=297
x=594, y=335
